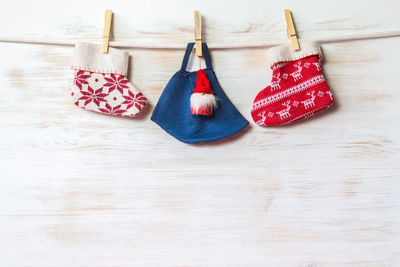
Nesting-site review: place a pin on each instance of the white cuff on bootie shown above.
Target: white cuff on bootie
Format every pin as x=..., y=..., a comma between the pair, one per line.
x=89, y=57
x=284, y=53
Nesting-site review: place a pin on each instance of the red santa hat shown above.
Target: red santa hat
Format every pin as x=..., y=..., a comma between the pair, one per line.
x=202, y=100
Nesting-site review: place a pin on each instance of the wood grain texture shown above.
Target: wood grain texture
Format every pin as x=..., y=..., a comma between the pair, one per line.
x=83, y=189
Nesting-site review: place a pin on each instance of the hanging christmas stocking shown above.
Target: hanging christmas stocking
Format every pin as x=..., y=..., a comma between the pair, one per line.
x=100, y=82
x=298, y=88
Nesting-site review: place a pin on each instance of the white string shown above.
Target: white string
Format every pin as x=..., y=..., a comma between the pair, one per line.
x=213, y=45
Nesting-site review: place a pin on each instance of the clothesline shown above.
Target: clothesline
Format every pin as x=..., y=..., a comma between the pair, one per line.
x=213, y=45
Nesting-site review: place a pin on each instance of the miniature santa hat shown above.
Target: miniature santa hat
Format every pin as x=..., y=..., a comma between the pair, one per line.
x=202, y=100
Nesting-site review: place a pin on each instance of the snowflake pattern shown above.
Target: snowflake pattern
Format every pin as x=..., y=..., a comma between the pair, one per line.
x=93, y=96
x=116, y=82
x=106, y=93
x=80, y=78
x=137, y=100
x=112, y=110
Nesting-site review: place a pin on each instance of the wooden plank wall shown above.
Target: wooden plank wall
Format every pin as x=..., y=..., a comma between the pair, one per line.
x=83, y=189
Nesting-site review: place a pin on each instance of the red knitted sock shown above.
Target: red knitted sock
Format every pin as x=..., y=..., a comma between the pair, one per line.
x=298, y=88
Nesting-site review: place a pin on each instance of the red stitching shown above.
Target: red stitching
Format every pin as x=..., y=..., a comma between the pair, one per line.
x=98, y=71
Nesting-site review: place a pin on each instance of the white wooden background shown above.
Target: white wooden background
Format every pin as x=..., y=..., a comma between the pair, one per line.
x=82, y=189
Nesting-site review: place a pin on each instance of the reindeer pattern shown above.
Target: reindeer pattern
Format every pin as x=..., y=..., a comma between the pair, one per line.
x=284, y=113
x=317, y=66
x=263, y=118
x=275, y=82
x=309, y=103
x=297, y=74
x=289, y=105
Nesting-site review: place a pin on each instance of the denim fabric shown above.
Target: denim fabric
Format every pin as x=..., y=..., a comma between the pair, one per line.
x=172, y=112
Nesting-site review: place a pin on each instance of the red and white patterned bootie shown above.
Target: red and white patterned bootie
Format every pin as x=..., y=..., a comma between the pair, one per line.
x=298, y=88
x=100, y=82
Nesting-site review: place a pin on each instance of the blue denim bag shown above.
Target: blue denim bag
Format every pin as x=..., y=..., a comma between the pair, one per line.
x=172, y=112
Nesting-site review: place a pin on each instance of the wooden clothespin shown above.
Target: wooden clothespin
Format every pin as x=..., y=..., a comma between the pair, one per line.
x=197, y=33
x=107, y=30
x=291, y=30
